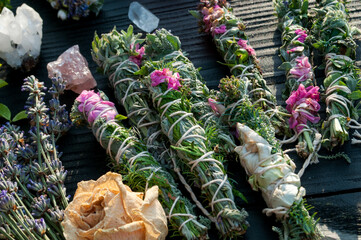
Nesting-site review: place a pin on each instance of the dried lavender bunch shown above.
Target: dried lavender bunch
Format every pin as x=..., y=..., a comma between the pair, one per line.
x=216, y=18
x=333, y=37
x=76, y=9
x=301, y=93
x=164, y=49
x=189, y=139
x=48, y=123
x=16, y=220
x=131, y=157
x=32, y=173
x=269, y=169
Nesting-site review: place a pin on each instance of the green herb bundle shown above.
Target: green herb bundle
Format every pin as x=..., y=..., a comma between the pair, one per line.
x=292, y=18
x=131, y=158
x=269, y=169
x=334, y=39
x=113, y=53
x=217, y=19
x=190, y=141
x=164, y=50
x=294, y=52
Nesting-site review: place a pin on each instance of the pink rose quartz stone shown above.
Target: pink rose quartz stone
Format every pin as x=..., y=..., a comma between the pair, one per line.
x=73, y=68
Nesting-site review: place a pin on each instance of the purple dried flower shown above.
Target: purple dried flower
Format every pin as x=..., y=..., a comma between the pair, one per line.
x=57, y=87
x=56, y=164
x=40, y=206
x=35, y=186
x=40, y=226
x=56, y=191
x=39, y=169
x=56, y=215
x=9, y=186
x=27, y=152
x=58, y=177
x=10, y=171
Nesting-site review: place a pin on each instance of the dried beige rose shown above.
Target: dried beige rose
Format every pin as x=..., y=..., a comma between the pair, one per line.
x=107, y=209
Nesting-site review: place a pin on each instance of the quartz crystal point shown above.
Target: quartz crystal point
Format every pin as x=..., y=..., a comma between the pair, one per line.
x=142, y=17
x=73, y=68
x=20, y=37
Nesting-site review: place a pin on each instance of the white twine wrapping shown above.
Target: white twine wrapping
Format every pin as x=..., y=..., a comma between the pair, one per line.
x=206, y=157
x=257, y=170
x=188, y=188
x=101, y=129
x=122, y=150
x=356, y=135
x=333, y=96
x=130, y=92
x=170, y=215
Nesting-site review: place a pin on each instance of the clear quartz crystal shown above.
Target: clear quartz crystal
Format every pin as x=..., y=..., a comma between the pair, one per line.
x=20, y=36
x=142, y=17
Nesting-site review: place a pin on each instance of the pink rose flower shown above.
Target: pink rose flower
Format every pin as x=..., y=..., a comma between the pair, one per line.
x=165, y=75
x=303, y=70
x=93, y=107
x=210, y=15
x=216, y=107
x=303, y=106
x=173, y=82
x=137, y=59
x=219, y=30
x=157, y=77
x=296, y=49
x=301, y=35
x=243, y=44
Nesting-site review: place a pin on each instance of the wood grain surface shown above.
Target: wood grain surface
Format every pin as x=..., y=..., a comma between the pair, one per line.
x=333, y=186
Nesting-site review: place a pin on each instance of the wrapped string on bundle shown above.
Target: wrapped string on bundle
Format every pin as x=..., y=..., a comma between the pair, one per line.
x=270, y=170
x=131, y=157
x=228, y=33
x=164, y=49
x=189, y=140
x=301, y=93
x=120, y=57
x=333, y=37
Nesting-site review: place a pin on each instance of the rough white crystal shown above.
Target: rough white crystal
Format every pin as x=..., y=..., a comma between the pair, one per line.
x=20, y=36
x=142, y=17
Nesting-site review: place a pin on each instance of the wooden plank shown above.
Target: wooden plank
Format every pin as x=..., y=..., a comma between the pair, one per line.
x=340, y=215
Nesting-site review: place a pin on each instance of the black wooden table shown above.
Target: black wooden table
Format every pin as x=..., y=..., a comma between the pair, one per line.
x=333, y=186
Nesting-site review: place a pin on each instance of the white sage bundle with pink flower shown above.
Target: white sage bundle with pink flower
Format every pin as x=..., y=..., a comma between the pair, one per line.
x=108, y=209
x=301, y=92
x=228, y=32
x=165, y=50
x=138, y=167
x=190, y=141
x=133, y=96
